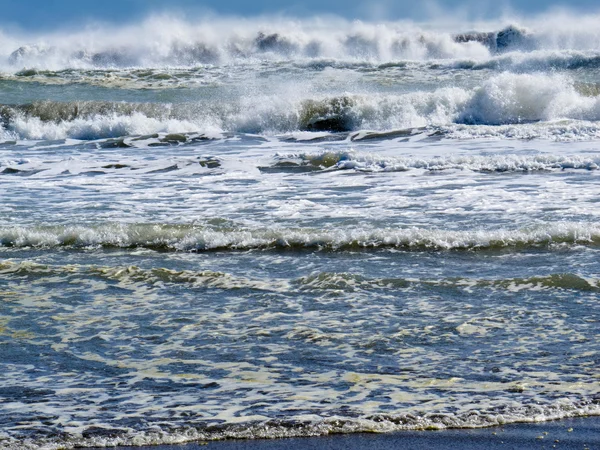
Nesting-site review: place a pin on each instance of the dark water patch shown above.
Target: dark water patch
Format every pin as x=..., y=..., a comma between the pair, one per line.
x=511, y=38
x=20, y=172
x=116, y=166
x=113, y=143
x=166, y=169
x=336, y=115
x=394, y=134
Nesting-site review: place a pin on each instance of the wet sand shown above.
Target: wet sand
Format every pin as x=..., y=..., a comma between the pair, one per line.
x=569, y=434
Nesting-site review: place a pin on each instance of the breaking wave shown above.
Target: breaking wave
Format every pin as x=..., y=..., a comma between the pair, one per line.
x=546, y=106
x=375, y=163
x=198, y=238
x=277, y=429
x=162, y=41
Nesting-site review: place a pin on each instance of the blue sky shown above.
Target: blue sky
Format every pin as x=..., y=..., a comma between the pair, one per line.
x=48, y=14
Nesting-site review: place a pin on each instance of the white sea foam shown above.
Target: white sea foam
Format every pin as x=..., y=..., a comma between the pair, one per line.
x=191, y=238
x=166, y=41
x=161, y=41
x=490, y=163
x=510, y=98
x=537, y=101
x=97, y=127
x=311, y=425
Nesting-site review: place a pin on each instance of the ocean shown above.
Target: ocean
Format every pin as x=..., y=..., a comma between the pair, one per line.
x=276, y=227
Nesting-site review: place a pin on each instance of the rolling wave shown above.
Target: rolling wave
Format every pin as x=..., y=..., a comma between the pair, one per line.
x=197, y=238
x=318, y=281
x=544, y=105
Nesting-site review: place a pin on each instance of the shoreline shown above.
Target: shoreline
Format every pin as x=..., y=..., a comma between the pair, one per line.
x=582, y=433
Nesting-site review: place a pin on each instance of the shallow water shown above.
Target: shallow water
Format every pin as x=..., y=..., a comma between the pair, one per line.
x=283, y=243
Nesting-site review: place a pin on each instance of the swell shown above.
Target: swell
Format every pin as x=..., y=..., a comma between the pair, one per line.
x=350, y=282
x=137, y=275
x=318, y=281
x=192, y=238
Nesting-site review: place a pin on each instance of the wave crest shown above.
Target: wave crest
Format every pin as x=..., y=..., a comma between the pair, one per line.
x=506, y=99
x=315, y=426
x=342, y=160
x=197, y=238
x=163, y=41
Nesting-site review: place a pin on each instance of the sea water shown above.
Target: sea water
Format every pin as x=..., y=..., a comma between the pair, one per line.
x=236, y=228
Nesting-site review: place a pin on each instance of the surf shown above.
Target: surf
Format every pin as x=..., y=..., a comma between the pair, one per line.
x=167, y=41
x=504, y=99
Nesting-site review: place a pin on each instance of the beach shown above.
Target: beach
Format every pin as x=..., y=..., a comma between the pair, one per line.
x=568, y=434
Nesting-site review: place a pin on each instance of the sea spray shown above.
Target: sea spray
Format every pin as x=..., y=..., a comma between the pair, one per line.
x=170, y=41
x=503, y=99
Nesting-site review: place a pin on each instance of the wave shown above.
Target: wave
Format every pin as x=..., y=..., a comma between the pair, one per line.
x=132, y=274
x=542, y=105
x=314, y=163
x=277, y=429
x=534, y=61
x=162, y=41
x=171, y=77
x=90, y=120
x=342, y=160
x=350, y=282
x=198, y=238
x=318, y=281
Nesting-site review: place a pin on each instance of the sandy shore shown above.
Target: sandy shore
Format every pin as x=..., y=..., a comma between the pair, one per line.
x=579, y=434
